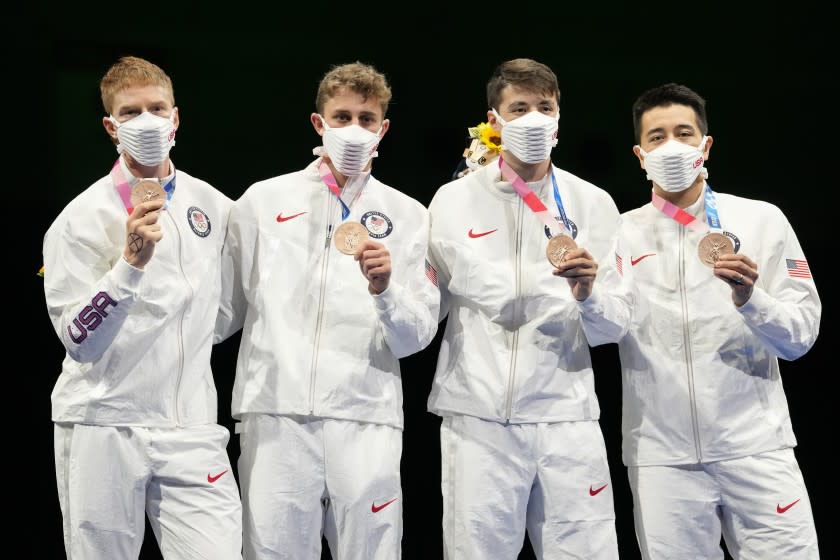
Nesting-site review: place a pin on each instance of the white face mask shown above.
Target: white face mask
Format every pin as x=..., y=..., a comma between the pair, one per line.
x=350, y=148
x=675, y=165
x=530, y=137
x=147, y=137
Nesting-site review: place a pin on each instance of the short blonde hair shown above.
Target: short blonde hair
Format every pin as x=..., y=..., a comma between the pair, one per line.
x=131, y=71
x=359, y=78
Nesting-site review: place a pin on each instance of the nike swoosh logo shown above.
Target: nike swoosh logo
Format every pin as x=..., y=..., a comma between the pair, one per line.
x=482, y=234
x=281, y=218
x=374, y=508
x=597, y=490
x=211, y=479
x=780, y=509
x=633, y=262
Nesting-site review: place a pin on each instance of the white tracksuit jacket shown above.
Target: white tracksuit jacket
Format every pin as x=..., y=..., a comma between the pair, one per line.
x=138, y=341
x=516, y=345
x=701, y=377
x=315, y=342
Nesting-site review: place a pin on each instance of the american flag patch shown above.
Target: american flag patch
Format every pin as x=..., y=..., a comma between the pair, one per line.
x=798, y=268
x=431, y=273
x=618, y=264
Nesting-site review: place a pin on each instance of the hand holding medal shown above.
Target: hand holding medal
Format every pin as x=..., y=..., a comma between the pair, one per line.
x=717, y=249
x=740, y=272
x=375, y=264
x=143, y=202
x=353, y=238
x=573, y=263
x=143, y=232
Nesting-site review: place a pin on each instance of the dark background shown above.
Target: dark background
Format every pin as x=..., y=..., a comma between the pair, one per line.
x=245, y=80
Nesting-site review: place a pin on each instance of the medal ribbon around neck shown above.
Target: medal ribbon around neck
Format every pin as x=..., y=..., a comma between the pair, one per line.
x=534, y=203
x=332, y=184
x=686, y=219
x=123, y=186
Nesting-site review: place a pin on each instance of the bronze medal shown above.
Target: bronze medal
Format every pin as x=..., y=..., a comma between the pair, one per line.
x=712, y=246
x=146, y=190
x=348, y=236
x=557, y=248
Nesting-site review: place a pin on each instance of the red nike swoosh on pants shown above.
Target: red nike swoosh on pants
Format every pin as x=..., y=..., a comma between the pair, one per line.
x=597, y=490
x=374, y=508
x=211, y=479
x=780, y=509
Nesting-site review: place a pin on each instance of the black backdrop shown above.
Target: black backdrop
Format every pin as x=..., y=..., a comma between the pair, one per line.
x=245, y=80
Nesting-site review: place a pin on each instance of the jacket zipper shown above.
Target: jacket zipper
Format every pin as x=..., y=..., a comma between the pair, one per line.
x=517, y=275
x=319, y=317
x=689, y=360
x=180, y=324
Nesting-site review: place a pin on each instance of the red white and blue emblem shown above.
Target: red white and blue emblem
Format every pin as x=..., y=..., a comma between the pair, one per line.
x=378, y=224
x=199, y=221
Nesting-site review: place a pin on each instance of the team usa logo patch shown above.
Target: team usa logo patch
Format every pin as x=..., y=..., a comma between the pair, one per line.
x=199, y=222
x=378, y=224
x=574, y=231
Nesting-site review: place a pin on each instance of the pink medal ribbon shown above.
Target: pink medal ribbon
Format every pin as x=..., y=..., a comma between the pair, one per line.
x=533, y=201
x=332, y=184
x=679, y=215
x=121, y=184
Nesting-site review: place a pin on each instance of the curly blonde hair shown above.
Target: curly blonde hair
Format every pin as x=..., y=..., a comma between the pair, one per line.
x=359, y=78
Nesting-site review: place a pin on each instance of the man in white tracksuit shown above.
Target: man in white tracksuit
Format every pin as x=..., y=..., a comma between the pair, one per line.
x=521, y=446
x=132, y=284
x=330, y=280
x=722, y=290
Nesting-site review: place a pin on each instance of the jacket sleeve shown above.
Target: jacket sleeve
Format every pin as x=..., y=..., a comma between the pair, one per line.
x=607, y=313
x=784, y=310
x=89, y=294
x=438, y=268
x=236, y=266
x=408, y=309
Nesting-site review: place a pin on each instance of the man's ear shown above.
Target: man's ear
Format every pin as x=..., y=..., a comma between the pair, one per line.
x=110, y=128
x=638, y=151
x=708, y=147
x=317, y=123
x=493, y=121
x=386, y=124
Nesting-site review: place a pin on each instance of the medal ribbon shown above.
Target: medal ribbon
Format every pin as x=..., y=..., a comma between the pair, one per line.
x=332, y=184
x=123, y=187
x=121, y=184
x=533, y=201
x=711, y=210
x=683, y=217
